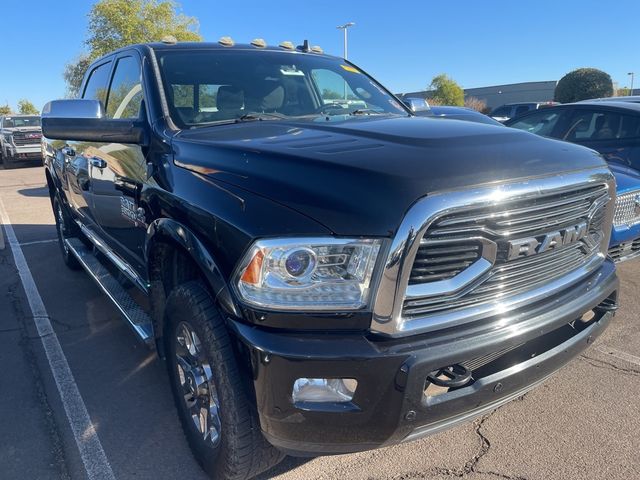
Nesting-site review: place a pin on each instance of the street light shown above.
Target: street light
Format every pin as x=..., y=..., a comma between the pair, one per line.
x=344, y=30
x=632, y=74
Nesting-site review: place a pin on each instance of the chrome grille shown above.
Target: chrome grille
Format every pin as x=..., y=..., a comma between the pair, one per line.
x=625, y=251
x=522, y=218
x=26, y=138
x=440, y=262
x=627, y=211
x=506, y=279
x=516, y=219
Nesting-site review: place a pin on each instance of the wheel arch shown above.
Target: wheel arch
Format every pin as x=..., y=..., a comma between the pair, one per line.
x=173, y=255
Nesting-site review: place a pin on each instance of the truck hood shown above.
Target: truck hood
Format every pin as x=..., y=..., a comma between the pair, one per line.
x=359, y=176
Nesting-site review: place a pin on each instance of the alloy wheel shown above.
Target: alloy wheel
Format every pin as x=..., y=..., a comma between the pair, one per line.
x=196, y=379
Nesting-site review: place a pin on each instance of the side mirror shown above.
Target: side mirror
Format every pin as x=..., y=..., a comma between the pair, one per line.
x=85, y=121
x=417, y=104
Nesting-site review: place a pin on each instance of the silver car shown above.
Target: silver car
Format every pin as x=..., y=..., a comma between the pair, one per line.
x=20, y=137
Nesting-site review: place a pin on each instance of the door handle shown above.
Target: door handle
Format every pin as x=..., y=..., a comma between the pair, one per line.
x=97, y=162
x=68, y=151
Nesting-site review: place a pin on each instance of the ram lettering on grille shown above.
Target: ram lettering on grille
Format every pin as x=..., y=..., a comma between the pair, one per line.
x=525, y=247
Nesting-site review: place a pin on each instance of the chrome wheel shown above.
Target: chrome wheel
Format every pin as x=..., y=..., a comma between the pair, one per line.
x=198, y=388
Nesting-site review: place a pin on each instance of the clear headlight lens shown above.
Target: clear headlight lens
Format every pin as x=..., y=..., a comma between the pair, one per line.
x=308, y=273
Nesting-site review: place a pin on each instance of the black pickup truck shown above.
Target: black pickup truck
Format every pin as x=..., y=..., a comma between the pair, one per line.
x=322, y=271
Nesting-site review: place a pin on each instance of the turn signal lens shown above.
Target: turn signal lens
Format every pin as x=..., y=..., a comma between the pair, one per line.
x=253, y=271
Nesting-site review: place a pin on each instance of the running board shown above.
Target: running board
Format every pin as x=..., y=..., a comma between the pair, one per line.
x=132, y=312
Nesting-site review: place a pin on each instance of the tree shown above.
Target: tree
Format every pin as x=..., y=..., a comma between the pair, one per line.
x=582, y=84
x=475, y=104
x=25, y=107
x=5, y=109
x=116, y=23
x=73, y=73
x=622, y=92
x=445, y=91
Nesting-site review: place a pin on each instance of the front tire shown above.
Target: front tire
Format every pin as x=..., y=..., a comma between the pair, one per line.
x=65, y=229
x=217, y=417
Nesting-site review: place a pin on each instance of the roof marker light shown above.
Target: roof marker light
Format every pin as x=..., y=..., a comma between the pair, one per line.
x=317, y=49
x=169, y=40
x=258, y=42
x=287, y=45
x=226, y=41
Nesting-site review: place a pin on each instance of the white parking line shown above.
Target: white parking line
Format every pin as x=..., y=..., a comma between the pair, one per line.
x=37, y=242
x=627, y=357
x=93, y=456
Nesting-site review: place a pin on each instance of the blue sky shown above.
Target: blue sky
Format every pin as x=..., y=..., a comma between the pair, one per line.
x=403, y=43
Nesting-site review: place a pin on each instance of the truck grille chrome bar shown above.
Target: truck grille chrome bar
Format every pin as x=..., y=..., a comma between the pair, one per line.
x=462, y=256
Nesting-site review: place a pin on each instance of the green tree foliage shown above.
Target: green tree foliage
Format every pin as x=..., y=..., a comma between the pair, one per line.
x=25, y=107
x=445, y=91
x=328, y=94
x=582, y=84
x=73, y=73
x=116, y=23
x=5, y=109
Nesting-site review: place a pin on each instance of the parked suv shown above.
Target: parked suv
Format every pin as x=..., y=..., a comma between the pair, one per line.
x=323, y=280
x=20, y=137
x=512, y=110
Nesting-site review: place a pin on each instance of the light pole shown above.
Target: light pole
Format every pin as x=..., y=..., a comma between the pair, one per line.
x=344, y=30
x=631, y=74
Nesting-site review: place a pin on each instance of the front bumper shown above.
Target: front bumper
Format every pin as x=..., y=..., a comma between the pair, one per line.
x=25, y=151
x=507, y=356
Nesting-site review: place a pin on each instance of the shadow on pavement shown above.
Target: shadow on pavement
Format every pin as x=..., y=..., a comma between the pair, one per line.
x=35, y=192
x=286, y=465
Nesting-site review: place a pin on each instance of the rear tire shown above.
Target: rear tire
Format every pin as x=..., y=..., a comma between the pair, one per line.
x=65, y=229
x=218, y=418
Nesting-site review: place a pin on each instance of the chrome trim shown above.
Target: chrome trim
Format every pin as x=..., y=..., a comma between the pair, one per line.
x=393, y=287
x=625, y=251
x=464, y=278
x=120, y=264
x=627, y=213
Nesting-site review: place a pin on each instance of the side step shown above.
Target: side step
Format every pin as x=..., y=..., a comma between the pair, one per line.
x=132, y=312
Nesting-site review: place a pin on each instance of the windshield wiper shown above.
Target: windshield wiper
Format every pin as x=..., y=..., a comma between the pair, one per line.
x=253, y=116
x=365, y=111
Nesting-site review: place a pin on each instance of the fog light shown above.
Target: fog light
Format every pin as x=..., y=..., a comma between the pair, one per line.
x=324, y=389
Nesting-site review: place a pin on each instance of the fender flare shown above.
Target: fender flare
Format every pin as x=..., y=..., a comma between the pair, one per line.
x=181, y=235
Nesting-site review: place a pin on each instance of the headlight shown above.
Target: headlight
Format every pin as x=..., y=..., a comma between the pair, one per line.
x=308, y=273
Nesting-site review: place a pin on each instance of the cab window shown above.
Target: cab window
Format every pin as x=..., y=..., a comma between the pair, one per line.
x=96, y=86
x=594, y=125
x=501, y=112
x=125, y=93
x=541, y=123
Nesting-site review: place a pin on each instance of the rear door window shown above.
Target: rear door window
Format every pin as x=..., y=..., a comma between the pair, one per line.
x=96, y=86
x=600, y=125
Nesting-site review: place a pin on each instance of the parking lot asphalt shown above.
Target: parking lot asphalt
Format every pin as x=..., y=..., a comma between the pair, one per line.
x=583, y=423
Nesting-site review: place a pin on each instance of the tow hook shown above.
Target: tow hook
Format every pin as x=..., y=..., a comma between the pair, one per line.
x=453, y=376
x=608, y=305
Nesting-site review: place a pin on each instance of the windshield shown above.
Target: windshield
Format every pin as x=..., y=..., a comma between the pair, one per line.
x=207, y=86
x=13, y=122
